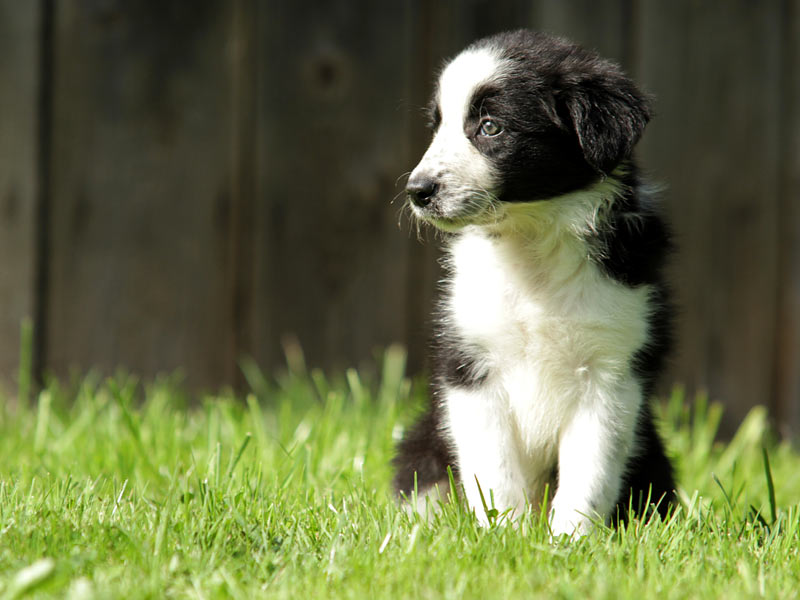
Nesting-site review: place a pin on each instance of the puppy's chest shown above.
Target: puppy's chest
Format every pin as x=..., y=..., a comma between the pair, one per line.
x=505, y=304
x=544, y=332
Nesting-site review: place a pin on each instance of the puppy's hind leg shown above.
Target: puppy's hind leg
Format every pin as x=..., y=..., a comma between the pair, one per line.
x=421, y=461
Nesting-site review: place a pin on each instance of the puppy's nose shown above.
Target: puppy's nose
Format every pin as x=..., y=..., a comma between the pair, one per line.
x=421, y=189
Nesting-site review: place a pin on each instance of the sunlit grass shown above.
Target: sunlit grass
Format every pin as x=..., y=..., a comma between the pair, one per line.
x=120, y=488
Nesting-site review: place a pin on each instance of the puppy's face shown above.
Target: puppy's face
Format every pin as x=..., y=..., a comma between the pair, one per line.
x=521, y=117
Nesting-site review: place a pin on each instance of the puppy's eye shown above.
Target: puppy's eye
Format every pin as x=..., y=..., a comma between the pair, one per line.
x=490, y=128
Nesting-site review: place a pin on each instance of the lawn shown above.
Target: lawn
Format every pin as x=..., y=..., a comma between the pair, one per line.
x=122, y=488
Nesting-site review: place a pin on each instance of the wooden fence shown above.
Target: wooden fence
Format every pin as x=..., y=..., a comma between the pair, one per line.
x=182, y=183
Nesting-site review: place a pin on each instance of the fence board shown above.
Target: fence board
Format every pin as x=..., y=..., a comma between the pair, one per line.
x=245, y=75
x=715, y=71
x=330, y=265
x=787, y=327
x=19, y=62
x=140, y=244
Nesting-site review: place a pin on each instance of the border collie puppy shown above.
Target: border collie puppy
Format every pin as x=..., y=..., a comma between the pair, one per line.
x=555, y=320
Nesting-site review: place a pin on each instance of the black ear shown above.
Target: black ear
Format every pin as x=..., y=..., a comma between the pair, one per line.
x=609, y=114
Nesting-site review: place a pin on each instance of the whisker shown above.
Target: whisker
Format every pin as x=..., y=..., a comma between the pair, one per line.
x=413, y=220
x=400, y=217
x=406, y=174
x=396, y=196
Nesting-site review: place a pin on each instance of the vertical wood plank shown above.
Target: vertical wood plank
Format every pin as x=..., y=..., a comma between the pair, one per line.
x=787, y=316
x=140, y=245
x=715, y=72
x=19, y=69
x=245, y=74
x=330, y=265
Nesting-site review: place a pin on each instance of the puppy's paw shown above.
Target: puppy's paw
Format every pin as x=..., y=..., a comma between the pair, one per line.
x=569, y=522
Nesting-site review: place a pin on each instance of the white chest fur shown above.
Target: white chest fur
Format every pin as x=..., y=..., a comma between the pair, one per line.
x=556, y=338
x=564, y=322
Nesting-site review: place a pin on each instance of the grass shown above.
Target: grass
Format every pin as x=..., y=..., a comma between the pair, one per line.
x=119, y=488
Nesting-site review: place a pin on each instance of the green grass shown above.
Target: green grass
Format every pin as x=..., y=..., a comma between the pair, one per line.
x=118, y=488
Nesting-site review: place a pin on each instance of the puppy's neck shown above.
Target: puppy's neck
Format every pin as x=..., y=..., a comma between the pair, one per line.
x=541, y=226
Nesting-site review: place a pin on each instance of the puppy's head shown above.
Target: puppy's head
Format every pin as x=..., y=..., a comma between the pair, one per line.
x=521, y=117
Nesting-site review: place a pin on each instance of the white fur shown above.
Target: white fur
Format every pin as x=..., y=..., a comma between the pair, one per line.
x=559, y=336
x=464, y=174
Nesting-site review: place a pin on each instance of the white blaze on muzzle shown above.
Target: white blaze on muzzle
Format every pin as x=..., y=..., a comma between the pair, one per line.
x=453, y=179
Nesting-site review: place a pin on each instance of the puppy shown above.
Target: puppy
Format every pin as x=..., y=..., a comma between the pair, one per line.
x=554, y=320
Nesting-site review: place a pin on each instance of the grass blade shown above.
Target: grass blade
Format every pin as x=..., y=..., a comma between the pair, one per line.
x=770, y=485
x=25, y=375
x=242, y=448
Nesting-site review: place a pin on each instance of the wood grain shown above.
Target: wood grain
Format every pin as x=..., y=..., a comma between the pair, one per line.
x=715, y=71
x=139, y=258
x=786, y=394
x=19, y=85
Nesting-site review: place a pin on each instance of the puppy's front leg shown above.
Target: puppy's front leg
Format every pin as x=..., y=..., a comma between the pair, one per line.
x=487, y=454
x=592, y=455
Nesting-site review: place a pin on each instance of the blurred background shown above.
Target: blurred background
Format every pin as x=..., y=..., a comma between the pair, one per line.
x=185, y=183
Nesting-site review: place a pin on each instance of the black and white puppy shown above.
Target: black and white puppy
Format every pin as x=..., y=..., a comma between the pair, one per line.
x=555, y=319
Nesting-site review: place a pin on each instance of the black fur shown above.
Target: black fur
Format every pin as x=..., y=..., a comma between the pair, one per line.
x=649, y=474
x=570, y=119
x=423, y=456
